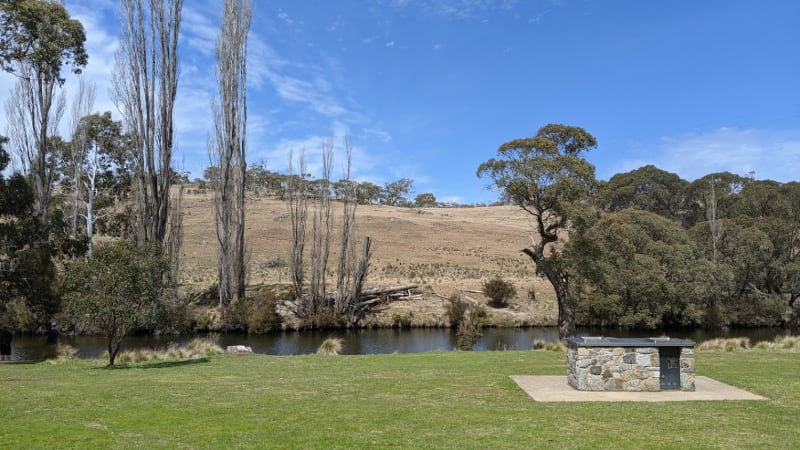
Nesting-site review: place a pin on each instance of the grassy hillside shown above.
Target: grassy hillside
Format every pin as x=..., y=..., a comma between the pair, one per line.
x=443, y=250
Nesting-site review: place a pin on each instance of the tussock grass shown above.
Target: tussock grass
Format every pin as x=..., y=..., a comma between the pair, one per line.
x=196, y=348
x=785, y=343
x=780, y=343
x=331, y=346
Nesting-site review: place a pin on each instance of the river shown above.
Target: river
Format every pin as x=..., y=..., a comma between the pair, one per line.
x=372, y=341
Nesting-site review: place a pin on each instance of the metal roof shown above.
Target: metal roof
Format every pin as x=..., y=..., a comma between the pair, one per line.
x=601, y=341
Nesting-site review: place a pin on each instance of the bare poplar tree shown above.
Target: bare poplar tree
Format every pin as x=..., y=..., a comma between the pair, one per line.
x=229, y=147
x=145, y=83
x=297, y=201
x=321, y=231
x=352, y=269
x=352, y=266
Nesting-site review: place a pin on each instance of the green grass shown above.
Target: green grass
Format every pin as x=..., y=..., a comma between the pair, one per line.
x=432, y=400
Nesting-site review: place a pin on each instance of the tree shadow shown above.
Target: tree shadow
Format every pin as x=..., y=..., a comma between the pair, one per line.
x=158, y=364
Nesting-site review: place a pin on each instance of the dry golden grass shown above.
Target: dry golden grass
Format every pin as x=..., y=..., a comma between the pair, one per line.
x=444, y=251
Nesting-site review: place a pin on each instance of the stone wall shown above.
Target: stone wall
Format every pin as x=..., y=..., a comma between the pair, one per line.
x=623, y=369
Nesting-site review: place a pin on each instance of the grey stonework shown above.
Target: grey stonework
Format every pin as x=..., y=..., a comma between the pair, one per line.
x=623, y=369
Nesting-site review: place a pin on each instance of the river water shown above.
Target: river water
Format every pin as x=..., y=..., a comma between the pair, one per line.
x=372, y=341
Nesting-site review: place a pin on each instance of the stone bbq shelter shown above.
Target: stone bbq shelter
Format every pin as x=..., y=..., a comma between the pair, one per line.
x=630, y=364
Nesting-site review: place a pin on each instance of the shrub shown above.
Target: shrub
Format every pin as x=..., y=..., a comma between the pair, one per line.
x=330, y=346
x=499, y=292
x=468, y=334
x=456, y=308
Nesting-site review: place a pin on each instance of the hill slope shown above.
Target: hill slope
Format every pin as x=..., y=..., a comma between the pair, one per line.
x=444, y=250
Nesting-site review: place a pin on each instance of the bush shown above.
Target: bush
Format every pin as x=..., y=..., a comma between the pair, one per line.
x=499, y=292
x=470, y=331
x=456, y=308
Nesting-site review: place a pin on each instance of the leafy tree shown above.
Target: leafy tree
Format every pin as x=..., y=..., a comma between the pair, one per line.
x=368, y=193
x=546, y=177
x=394, y=193
x=648, y=189
x=638, y=269
x=37, y=38
x=117, y=291
x=727, y=187
x=426, y=200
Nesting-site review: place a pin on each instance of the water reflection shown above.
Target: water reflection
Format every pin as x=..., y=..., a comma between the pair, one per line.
x=372, y=341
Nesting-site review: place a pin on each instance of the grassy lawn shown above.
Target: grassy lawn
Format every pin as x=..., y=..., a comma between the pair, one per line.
x=430, y=400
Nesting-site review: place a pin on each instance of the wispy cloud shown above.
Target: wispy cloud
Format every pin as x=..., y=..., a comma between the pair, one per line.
x=770, y=154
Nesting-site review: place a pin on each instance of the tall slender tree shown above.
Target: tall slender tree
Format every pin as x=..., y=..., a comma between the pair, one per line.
x=145, y=84
x=229, y=149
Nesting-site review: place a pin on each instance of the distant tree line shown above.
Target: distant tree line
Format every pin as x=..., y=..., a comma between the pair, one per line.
x=260, y=180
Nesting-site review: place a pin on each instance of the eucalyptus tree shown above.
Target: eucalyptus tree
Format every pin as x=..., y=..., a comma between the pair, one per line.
x=638, y=269
x=102, y=139
x=647, y=188
x=229, y=149
x=37, y=39
x=546, y=176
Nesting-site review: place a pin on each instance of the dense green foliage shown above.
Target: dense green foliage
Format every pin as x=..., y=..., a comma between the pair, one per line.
x=664, y=252
x=431, y=400
x=40, y=34
x=117, y=291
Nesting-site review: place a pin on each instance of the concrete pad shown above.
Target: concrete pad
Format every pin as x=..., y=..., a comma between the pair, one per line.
x=556, y=389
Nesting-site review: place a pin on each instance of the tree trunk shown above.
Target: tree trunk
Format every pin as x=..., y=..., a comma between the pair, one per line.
x=566, y=302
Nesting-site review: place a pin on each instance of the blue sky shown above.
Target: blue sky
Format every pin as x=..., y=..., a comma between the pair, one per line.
x=430, y=89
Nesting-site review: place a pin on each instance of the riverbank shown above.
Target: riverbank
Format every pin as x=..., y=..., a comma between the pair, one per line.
x=427, y=400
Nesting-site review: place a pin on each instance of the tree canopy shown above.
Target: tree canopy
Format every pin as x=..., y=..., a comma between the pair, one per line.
x=41, y=35
x=546, y=176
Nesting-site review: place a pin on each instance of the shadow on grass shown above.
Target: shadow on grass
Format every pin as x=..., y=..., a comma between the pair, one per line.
x=158, y=365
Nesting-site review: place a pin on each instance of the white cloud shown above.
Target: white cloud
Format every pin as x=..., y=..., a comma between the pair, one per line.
x=771, y=154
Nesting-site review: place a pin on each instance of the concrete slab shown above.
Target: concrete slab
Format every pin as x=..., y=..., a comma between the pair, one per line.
x=556, y=389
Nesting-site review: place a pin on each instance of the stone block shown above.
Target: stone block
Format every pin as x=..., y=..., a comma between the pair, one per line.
x=629, y=358
x=652, y=385
x=595, y=370
x=583, y=363
x=644, y=360
x=613, y=384
x=618, y=351
x=646, y=350
x=239, y=349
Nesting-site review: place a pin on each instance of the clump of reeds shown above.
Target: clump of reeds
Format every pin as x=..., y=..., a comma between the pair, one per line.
x=727, y=345
x=66, y=351
x=330, y=346
x=196, y=348
x=780, y=343
x=555, y=346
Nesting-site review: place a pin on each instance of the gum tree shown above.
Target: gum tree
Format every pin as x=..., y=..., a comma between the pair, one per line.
x=546, y=176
